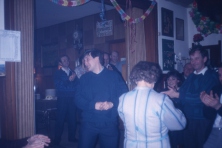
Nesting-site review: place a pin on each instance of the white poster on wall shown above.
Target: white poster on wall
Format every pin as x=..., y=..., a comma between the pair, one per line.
x=104, y=28
x=10, y=46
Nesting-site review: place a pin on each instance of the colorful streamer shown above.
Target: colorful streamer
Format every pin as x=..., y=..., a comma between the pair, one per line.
x=127, y=17
x=70, y=3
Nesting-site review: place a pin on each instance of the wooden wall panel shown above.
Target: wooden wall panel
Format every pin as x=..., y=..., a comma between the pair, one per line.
x=18, y=119
x=151, y=36
x=63, y=35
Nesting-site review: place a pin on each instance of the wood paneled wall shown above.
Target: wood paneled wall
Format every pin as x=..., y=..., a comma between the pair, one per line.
x=17, y=104
x=63, y=35
x=151, y=36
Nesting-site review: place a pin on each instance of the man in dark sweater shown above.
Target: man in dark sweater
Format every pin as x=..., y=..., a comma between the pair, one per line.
x=65, y=82
x=97, y=96
x=203, y=79
x=213, y=100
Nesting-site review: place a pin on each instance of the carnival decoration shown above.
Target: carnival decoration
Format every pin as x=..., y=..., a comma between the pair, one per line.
x=203, y=24
x=127, y=17
x=70, y=3
x=102, y=13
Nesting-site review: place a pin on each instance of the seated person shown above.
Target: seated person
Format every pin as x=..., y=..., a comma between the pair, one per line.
x=187, y=70
x=148, y=115
x=173, y=80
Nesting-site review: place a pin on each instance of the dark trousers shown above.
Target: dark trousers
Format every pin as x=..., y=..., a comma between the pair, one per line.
x=176, y=138
x=196, y=133
x=106, y=134
x=66, y=109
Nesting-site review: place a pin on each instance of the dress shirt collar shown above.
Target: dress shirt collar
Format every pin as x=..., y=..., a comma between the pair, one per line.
x=201, y=72
x=66, y=70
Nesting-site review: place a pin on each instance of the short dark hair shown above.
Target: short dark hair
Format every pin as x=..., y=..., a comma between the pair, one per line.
x=147, y=71
x=176, y=74
x=95, y=53
x=199, y=48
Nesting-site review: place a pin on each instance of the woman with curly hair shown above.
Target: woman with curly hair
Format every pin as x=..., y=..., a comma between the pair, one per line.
x=146, y=114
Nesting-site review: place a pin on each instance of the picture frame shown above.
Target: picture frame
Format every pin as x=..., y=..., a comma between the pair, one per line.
x=167, y=22
x=168, y=54
x=179, y=29
x=49, y=55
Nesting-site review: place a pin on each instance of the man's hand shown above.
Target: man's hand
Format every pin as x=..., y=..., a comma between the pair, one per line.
x=107, y=105
x=99, y=106
x=209, y=100
x=171, y=93
x=72, y=77
x=38, y=141
x=103, y=105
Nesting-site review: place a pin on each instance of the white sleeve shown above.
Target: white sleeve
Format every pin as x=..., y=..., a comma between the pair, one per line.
x=120, y=107
x=172, y=117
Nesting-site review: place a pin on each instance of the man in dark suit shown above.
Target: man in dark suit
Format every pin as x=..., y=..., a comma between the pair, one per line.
x=65, y=81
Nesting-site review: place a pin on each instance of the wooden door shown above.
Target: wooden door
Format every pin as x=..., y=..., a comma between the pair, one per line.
x=120, y=47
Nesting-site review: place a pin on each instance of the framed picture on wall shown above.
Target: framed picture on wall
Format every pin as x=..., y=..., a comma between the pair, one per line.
x=49, y=55
x=168, y=54
x=167, y=22
x=179, y=29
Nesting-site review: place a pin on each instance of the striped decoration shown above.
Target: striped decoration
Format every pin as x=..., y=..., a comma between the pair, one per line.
x=70, y=3
x=127, y=17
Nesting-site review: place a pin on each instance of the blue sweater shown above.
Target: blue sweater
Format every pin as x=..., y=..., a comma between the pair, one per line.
x=92, y=88
x=64, y=87
x=190, y=91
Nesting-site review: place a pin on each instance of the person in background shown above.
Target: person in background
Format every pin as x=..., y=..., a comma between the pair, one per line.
x=174, y=81
x=187, y=70
x=203, y=79
x=65, y=81
x=81, y=69
x=148, y=115
x=108, y=65
x=107, y=62
x=97, y=97
x=114, y=60
x=215, y=138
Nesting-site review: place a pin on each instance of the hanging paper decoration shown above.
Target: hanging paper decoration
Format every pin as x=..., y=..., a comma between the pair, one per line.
x=204, y=25
x=127, y=17
x=70, y=3
x=102, y=13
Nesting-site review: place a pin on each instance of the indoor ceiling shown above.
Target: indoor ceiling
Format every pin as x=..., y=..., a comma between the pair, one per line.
x=48, y=13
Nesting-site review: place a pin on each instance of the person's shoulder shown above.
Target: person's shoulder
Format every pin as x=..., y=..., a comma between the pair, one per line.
x=211, y=73
x=158, y=97
x=109, y=72
x=85, y=76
